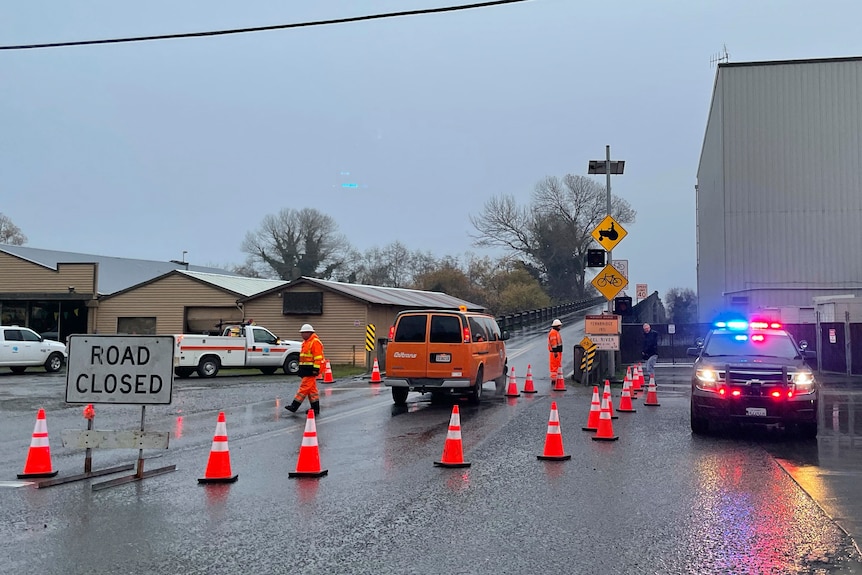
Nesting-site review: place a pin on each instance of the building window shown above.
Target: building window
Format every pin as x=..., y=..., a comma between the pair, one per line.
x=302, y=303
x=136, y=325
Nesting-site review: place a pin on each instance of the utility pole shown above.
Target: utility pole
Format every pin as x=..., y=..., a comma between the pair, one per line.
x=608, y=167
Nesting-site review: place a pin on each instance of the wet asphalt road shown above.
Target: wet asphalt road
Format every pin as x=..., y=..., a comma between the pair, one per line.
x=658, y=500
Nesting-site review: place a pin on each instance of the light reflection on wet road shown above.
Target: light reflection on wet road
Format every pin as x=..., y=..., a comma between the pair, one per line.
x=657, y=501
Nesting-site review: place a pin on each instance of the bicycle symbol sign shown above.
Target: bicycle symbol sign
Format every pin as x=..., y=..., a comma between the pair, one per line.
x=610, y=281
x=609, y=233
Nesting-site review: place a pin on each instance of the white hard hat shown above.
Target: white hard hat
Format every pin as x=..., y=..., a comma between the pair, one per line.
x=306, y=327
x=556, y=323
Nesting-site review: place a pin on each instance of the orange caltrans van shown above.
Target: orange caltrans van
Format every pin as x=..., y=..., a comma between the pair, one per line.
x=445, y=352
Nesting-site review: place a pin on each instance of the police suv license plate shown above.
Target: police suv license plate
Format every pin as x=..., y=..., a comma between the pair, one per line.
x=756, y=411
x=445, y=358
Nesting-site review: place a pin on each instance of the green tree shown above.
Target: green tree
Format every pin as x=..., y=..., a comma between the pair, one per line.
x=296, y=243
x=681, y=305
x=552, y=235
x=10, y=233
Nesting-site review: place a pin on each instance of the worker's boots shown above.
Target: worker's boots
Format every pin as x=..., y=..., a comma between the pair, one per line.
x=293, y=406
x=315, y=406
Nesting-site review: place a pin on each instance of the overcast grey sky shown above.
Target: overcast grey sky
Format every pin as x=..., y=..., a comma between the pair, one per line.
x=145, y=150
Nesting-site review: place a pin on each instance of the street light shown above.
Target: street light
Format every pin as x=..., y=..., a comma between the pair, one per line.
x=608, y=167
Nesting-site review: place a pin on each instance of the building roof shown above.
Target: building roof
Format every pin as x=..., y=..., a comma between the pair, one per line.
x=391, y=296
x=114, y=274
x=785, y=62
x=237, y=284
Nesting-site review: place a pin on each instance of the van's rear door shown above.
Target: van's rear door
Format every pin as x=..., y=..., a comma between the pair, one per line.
x=448, y=356
x=407, y=353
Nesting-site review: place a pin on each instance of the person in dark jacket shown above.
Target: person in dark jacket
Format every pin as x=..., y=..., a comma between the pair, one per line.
x=649, y=351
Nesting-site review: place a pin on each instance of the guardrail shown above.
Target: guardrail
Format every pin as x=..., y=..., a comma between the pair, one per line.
x=546, y=315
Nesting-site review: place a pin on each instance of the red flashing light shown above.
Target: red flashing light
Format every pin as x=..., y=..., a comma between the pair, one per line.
x=776, y=393
x=391, y=332
x=722, y=391
x=736, y=393
x=765, y=325
x=466, y=335
x=757, y=337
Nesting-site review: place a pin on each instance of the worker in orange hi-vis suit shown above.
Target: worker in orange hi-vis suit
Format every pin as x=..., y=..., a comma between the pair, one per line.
x=310, y=362
x=555, y=348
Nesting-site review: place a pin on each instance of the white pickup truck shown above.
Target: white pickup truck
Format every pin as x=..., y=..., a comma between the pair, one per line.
x=239, y=346
x=21, y=347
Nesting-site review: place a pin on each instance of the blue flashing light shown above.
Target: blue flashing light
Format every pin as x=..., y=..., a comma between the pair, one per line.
x=740, y=337
x=349, y=185
x=720, y=324
x=737, y=324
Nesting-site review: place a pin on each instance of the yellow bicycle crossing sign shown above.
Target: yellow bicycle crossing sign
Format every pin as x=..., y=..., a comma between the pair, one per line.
x=610, y=281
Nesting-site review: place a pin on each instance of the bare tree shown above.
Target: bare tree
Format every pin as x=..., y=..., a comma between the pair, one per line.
x=296, y=243
x=681, y=305
x=10, y=233
x=553, y=234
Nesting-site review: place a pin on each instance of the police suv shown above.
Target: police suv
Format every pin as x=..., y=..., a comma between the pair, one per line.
x=752, y=373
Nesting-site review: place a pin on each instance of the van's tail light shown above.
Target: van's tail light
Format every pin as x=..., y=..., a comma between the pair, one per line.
x=466, y=335
x=391, y=332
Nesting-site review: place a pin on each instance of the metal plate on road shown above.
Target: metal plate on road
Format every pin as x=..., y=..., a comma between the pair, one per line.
x=120, y=369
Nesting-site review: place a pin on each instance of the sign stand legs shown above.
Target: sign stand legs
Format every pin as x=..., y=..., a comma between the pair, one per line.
x=140, y=473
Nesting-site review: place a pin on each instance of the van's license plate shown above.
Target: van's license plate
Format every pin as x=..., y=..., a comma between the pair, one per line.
x=447, y=358
x=756, y=411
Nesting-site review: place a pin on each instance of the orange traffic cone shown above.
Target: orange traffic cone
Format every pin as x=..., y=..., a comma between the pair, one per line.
x=375, y=372
x=528, y=382
x=607, y=392
x=560, y=382
x=605, y=432
x=637, y=383
x=453, y=456
x=626, y=399
x=639, y=378
x=327, y=374
x=512, y=391
x=554, y=439
x=38, y=462
x=651, y=395
x=308, y=464
x=218, y=466
x=628, y=378
x=595, y=411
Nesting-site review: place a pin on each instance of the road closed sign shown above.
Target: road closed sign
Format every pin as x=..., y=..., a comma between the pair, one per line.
x=120, y=369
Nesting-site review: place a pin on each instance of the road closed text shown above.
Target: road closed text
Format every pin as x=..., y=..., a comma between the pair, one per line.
x=120, y=369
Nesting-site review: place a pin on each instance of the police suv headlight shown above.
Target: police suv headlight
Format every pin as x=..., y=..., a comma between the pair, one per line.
x=707, y=378
x=803, y=382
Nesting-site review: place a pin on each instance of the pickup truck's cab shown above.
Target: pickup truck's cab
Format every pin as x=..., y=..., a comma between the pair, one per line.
x=21, y=347
x=238, y=346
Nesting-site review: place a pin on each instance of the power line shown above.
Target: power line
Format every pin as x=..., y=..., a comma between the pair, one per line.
x=262, y=28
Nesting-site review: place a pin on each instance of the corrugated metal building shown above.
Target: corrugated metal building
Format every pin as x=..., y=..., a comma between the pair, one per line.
x=60, y=293
x=779, y=187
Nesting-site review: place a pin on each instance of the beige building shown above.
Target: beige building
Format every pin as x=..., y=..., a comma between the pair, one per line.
x=61, y=293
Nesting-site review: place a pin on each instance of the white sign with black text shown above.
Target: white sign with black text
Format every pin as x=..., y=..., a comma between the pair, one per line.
x=120, y=369
x=606, y=342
